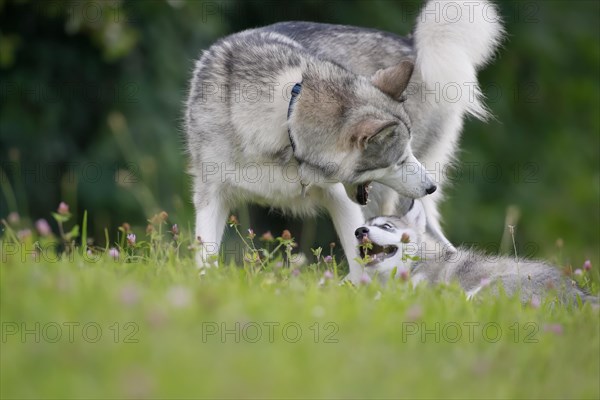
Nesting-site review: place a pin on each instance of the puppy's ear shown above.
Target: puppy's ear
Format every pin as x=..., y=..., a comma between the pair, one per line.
x=416, y=217
x=393, y=80
x=370, y=130
x=437, y=235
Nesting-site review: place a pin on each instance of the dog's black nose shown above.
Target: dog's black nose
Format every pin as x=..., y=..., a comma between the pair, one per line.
x=431, y=189
x=360, y=232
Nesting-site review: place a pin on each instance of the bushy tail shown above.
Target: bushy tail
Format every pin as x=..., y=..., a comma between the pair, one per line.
x=453, y=39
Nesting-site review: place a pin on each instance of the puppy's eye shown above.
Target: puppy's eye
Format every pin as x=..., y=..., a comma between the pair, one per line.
x=387, y=227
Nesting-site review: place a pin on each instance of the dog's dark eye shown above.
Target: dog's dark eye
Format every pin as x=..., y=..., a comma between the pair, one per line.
x=387, y=227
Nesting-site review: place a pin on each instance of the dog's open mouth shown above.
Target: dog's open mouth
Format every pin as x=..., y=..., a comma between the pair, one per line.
x=377, y=253
x=362, y=193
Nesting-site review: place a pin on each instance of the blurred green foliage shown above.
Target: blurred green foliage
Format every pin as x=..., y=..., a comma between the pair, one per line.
x=91, y=110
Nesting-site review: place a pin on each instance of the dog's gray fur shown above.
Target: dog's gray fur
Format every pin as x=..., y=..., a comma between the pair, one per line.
x=423, y=260
x=448, y=50
x=350, y=125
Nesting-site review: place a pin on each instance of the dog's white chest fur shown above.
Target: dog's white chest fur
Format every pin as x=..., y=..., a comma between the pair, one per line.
x=274, y=186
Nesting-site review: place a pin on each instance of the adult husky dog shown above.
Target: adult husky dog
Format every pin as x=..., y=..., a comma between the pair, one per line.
x=401, y=244
x=304, y=116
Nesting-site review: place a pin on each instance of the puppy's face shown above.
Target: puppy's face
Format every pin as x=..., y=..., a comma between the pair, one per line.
x=392, y=239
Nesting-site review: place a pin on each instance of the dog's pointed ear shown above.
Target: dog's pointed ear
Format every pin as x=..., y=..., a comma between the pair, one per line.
x=371, y=129
x=416, y=217
x=393, y=80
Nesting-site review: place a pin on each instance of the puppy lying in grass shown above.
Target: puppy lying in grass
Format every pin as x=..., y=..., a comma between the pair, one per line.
x=399, y=246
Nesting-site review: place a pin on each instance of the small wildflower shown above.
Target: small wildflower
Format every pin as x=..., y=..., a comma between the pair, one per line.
x=13, y=218
x=149, y=229
x=251, y=257
x=286, y=235
x=295, y=272
x=251, y=234
x=163, y=215
x=114, y=253
x=535, y=302
x=24, y=234
x=129, y=295
x=126, y=227
x=267, y=237
x=43, y=227
x=233, y=221
x=414, y=313
x=63, y=208
x=365, y=240
x=587, y=265
x=554, y=328
x=328, y=274
x=332, y=245
x=364, y=279
x=179, y=296
x=328, y=259
x=578, y=272
x=131, y=239
x=405, y=238
x=404, y=275
x=175, y=229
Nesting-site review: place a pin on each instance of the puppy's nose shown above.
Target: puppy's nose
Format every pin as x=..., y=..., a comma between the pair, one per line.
x=431, y=189
x=360, y=232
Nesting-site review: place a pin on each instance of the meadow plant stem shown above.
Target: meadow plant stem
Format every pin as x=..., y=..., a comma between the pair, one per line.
x=252, y=247
x=288, y=253
x=63, y=237
x=511, y=228
x=10, y=232
x=275, y=250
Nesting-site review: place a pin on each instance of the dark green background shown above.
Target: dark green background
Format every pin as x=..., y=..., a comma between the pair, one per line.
x=91, y=109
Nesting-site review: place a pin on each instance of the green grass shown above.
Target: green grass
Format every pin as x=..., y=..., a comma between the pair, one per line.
x=163, y=332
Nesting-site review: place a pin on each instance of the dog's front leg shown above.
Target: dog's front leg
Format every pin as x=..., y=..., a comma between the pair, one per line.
x=346, y=216
x=211, y=212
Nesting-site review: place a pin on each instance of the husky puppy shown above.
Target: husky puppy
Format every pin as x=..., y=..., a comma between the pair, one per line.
x=401, y=244
x=275, y=119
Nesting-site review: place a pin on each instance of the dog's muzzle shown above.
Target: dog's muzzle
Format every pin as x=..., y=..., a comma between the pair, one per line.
x=376, y=253
x=361, y=232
